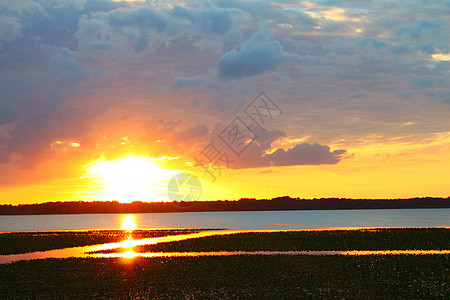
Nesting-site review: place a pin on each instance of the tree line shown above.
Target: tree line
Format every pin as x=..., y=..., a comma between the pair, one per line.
x=244, y=204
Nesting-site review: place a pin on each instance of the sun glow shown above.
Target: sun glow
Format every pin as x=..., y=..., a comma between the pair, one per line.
x=129, y=254
x=129, y=179
x=128, y=223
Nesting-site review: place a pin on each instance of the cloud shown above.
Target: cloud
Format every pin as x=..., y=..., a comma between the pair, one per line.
x=34, y=97
x=358, y=95
x=441, y=94
x=274, y=12
x=425, y=81
x=29, y=142
x=117, y=28
x=142, y=18
x=256, y=56
x=304, y=154
x=372, y=42
x=423, y=29
x=260, y=153
x=10, y=29
x=152, y=26
x=210, y=20
x=426, y=35
x=21, y=7
x=146, y=59
x=405, y=95
x=69, y=74
x=75, y=4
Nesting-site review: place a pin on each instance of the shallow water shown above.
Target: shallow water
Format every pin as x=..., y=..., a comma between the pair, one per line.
x=90, y=251
x=131, y=254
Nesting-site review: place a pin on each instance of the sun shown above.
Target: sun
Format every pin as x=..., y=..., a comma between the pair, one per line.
x=129, y=179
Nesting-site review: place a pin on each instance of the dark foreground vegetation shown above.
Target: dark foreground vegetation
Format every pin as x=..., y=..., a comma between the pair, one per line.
x=232, y=277
x=248, y=277
x=280, y=203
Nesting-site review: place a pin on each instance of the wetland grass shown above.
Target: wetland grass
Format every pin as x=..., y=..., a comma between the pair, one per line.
x=231, y=277
x=248, y=277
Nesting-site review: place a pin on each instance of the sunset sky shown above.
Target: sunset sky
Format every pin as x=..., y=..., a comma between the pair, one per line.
x=108, y=100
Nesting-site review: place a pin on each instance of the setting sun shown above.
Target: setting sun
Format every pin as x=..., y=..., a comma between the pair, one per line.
x=129, y=179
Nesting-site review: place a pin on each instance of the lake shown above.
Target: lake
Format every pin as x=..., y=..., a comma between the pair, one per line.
x=236, y=220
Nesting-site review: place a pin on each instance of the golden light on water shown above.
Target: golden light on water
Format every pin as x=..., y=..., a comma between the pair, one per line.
x=128, y=223
x=129, y=254
x=129, y=179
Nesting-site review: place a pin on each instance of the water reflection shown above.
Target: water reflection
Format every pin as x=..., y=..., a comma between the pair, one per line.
x=131, y=254
x=128, y=245
x=128, y=222
x=294, y=219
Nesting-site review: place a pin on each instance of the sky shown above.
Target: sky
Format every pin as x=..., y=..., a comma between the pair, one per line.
x=109, y=100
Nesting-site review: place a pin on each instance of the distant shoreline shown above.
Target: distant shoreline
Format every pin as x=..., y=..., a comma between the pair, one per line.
x=246, y=204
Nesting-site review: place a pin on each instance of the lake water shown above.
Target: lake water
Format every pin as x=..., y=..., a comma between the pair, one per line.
x=240, y=220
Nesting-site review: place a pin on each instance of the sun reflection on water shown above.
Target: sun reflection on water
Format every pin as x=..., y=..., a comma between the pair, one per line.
x=128, y=223
x=129, y=254
x=130, y=243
